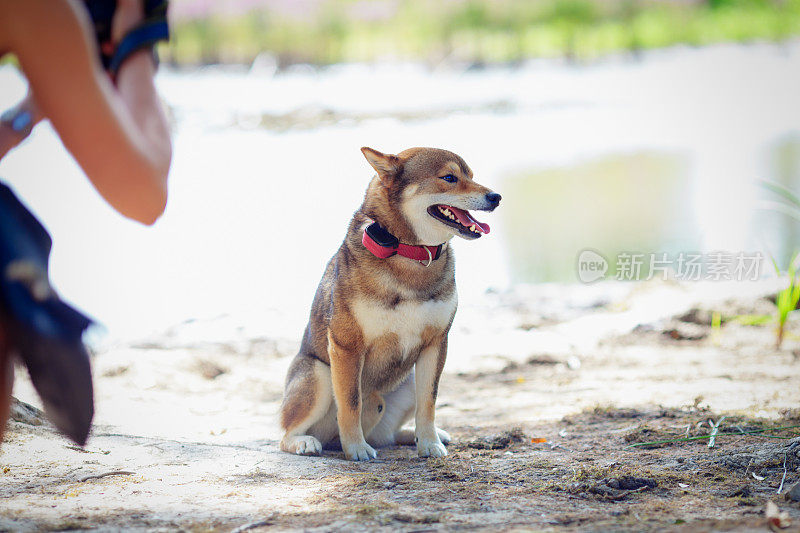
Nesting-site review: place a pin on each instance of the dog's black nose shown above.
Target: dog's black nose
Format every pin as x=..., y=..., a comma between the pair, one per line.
x=493, y=198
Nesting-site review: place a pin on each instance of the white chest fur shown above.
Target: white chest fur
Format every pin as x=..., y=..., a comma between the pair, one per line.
x=407, y=319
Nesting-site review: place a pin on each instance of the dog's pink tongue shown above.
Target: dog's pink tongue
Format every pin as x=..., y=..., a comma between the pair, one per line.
x=467, y=219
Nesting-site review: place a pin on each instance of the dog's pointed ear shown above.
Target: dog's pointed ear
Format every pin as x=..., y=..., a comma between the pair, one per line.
x=386, y=165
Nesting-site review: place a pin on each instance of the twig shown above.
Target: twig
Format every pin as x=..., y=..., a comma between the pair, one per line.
x=784, y=474
x=76, y=448
x=770, y=436
x=714, y=429
x=701, y=437
x=626, y=493
x=252, y=525
x=84, y=450
x=106, y=474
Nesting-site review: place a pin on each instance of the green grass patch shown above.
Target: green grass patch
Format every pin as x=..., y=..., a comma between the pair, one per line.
x=477, y=30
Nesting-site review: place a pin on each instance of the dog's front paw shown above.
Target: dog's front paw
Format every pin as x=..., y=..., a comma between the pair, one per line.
x=443, y=436
x=431, y=448
x=359, y=451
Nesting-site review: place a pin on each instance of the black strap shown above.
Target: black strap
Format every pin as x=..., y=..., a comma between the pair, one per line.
x=144, y=36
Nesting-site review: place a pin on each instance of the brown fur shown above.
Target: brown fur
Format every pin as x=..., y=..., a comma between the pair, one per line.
x=368, y=373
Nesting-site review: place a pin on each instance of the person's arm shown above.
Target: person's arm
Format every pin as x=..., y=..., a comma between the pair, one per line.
x=119, y=136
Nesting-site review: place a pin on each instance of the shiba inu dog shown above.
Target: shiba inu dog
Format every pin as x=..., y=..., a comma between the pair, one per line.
x=376, y=340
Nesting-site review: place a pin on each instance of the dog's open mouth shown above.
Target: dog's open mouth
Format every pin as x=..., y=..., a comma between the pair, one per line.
x=460, y=219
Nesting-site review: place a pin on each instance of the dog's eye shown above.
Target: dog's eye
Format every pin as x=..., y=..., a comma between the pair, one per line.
x=449, y=178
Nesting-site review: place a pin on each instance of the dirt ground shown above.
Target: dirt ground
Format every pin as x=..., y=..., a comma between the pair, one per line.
x=549, y=395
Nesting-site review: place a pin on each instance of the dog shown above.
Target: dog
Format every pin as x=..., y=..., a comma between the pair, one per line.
x=376, y=340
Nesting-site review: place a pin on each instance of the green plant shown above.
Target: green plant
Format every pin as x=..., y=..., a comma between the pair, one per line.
x=787, y=298
x=716, y=327
x=753, y=320
x=789, y=203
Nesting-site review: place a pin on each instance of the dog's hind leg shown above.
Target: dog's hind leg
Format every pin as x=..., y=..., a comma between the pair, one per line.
x=400, y=406
x=306, y=401
x=371, y=413
x=406, y=437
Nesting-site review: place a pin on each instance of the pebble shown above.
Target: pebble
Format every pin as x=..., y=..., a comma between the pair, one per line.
x=794, y=493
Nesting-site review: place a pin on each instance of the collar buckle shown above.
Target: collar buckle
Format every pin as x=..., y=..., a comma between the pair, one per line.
x=430, y=258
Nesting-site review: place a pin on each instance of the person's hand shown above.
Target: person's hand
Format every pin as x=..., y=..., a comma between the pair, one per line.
x=16, y=123
x=128, y=15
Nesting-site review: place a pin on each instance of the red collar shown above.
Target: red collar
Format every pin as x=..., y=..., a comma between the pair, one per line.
x=383, y=244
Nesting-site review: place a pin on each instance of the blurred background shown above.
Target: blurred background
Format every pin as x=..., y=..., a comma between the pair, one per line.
x=473, y=31
x=616, y=125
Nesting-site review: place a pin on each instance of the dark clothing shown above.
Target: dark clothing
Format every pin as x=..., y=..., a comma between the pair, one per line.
x=42, y=329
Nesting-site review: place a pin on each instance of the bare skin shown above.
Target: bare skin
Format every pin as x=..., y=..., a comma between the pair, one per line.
x=117, y=131
x=6, y=380
x=93, y=117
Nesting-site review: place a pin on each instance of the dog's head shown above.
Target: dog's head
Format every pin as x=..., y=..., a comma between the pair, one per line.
x=433, y=189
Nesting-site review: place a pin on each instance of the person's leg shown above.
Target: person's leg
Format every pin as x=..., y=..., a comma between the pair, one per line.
x=6, y=379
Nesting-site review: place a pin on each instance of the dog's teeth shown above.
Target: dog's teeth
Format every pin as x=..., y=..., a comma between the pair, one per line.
x=472, y=227
x=447, y=213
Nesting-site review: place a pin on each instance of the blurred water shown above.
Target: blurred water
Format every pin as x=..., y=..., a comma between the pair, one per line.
x=659, y=154
x=613, y=204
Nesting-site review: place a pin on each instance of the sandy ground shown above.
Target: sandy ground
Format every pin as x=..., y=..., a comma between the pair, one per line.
x=545, y=392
